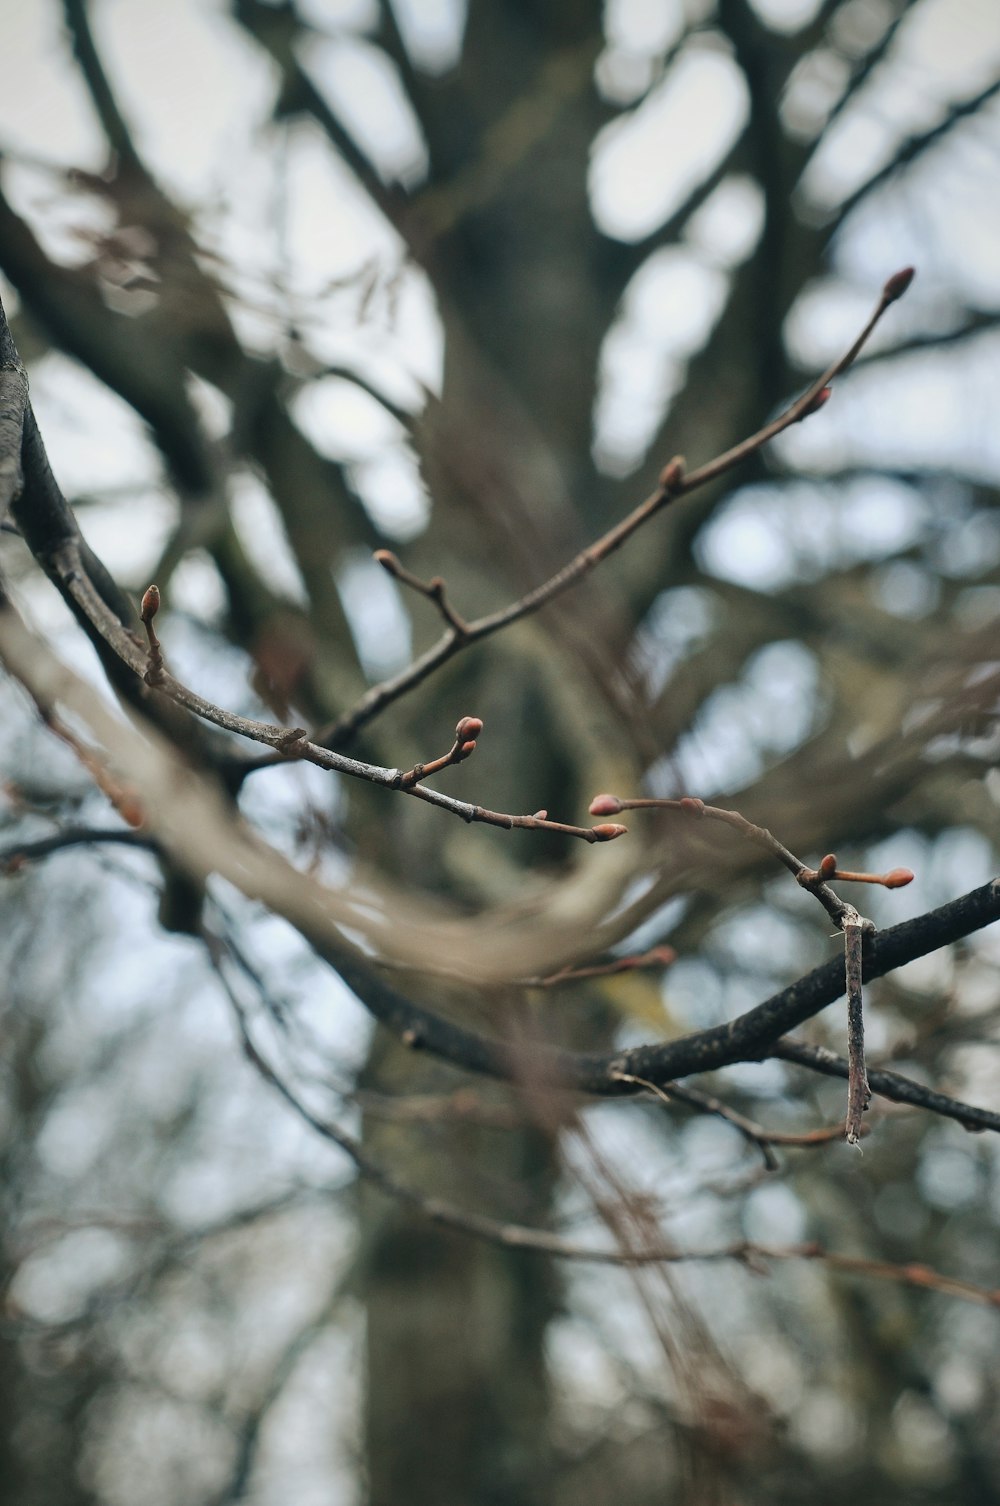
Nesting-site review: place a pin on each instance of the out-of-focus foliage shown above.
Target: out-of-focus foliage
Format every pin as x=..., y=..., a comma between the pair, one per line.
x=297, y=281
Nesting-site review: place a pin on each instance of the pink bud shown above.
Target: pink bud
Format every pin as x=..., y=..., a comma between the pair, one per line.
x=540, y=816
x=150, y=603
x=605, y=805
x=608, y=832
x=897, y=878
x=468, y=729
x=828, y=866
x=387, y=560
x=898, y=283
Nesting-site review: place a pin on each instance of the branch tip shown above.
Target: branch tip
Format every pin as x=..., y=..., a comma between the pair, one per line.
x=468, y=729
x=150, y=604
x=608, y=832
x=605, y=805
x=897, y=284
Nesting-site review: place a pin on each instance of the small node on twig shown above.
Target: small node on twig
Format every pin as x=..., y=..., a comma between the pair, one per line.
x=148, y=608
x=897, y=284
x=672, y=474
x=692, y=805
x=605, y=805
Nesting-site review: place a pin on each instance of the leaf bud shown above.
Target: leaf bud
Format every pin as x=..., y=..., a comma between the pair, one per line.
x=605, y=805
x=150, y=604
x=897, y=878
x=608, y=832
x=468, y=730
x=898, y=283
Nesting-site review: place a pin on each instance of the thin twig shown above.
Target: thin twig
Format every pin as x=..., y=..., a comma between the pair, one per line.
x=815, y=880
x=462, y=748
x=204, y=839
x=545, y=1242
x=674, y=482
x=757, y=1134
x=657, y=956
x=288, y=742
x=434, y=590
x=858, y=1091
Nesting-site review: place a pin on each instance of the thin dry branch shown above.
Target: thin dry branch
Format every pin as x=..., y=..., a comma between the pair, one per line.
x=675, y=482
x=204, y=839
x=288, y=742
x=514, y=1236
x=657, y=956
x=757, y=1134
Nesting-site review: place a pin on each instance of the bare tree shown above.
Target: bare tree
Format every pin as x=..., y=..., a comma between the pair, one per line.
x=496, y=952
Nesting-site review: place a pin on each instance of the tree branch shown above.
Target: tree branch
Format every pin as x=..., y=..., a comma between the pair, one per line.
x=675, y=482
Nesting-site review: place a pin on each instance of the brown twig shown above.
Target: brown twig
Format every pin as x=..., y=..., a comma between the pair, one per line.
x=289, y=742
x=674, y=482
x=462, y=748
x=757, y=1134
x=434, y=590
x=546, y=1242
x=657, y=956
